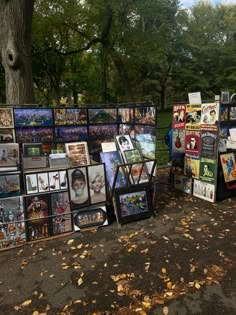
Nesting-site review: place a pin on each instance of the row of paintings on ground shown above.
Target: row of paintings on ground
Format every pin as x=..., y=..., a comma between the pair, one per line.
x=44, y=117
x=30, y=218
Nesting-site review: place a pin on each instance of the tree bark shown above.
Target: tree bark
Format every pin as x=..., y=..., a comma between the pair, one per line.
x=15, y=48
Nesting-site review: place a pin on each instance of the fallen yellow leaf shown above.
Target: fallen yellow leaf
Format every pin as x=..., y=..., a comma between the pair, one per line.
x=26, y=303
x=146, y=304
x=80, y=281
x=163, y=270
x=70, y=242
x=165, y=310
x=197, y=285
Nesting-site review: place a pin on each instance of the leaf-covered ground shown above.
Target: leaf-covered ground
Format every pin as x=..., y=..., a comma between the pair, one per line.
x=181, y=261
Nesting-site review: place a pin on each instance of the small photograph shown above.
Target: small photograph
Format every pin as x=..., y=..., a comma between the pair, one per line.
x=37, y=211
x=102, y=131
x=53, y=180
x=78, y=186
x=112, y=160
x=97, y=180
x=124, y=142
x=12, y=222
x=102, y=115
x=228, y=165
x=31, y=117
x=6, y=118
x=133, y=203
x=37, y=135
x=70, y=116
x=31, y=183
x=125, y=115
x=31, y=150
x=10, y=184
x=78, y=153
x=232, y=113
x=43, y=182
x=179, y=116
x=204, y=190
x=145, y=115
x=61, y=215
x=7, y=135
x=224, y=110
x=92, y=217
x=76, y=133
x=138, y=171
x=63, y=179
x=9, y=155
x=193, y=116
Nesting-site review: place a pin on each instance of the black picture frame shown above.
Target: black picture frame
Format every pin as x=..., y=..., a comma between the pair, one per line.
x=97, y=183
x=133, y=203
x=91, y=217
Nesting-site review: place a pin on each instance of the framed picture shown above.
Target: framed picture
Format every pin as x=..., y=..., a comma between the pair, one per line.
x=10, y=184
x=31, y=117
x=78, y=153
x=43, y=182
x=102, y=115
x=145, y=115
x=97, y=183
x=9, y=155
x=31, y=183
x=61, y=213
x=204, y=190
x=70, y=116
x=78, y=187
x=6, y=118
x=37, y=212
x=32, y=149
x=112, y=160
x=102, y=131
x=138, y=171
x=147, y=148
x=125, y=115
x=12, y=222
x=40, y=134
x=73, y=133
x=54, y=183
x=90, y=217
x=7, y=135
x=124, y=143
x=133, y=203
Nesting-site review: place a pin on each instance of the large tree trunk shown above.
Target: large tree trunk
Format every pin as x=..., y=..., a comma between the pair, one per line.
x=15, y=47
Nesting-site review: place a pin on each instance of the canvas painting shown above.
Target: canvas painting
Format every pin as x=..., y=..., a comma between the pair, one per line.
x=6, y=118
x=78, y=153
x=97, y=183
x=61, y=213
x=33, y=117
x=12, y=222
x=7, y=135
x=37, y=210
x=102, y=115
x=10, y=184
x=70, y=116
x=112, y=160
x=78, y=187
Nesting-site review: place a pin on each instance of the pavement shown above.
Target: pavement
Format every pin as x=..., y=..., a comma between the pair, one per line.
x=180, y=261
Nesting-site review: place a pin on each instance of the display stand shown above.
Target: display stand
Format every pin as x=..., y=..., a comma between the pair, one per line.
x=141, y=206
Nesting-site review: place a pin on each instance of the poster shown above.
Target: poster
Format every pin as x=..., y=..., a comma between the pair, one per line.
x=193, y=116
x=210, y=116
x=178, y=140
x=192, y=142
x=209, y=144
x=208, y=170
x=204, y=190
x=179, y=116
x=191, y=165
